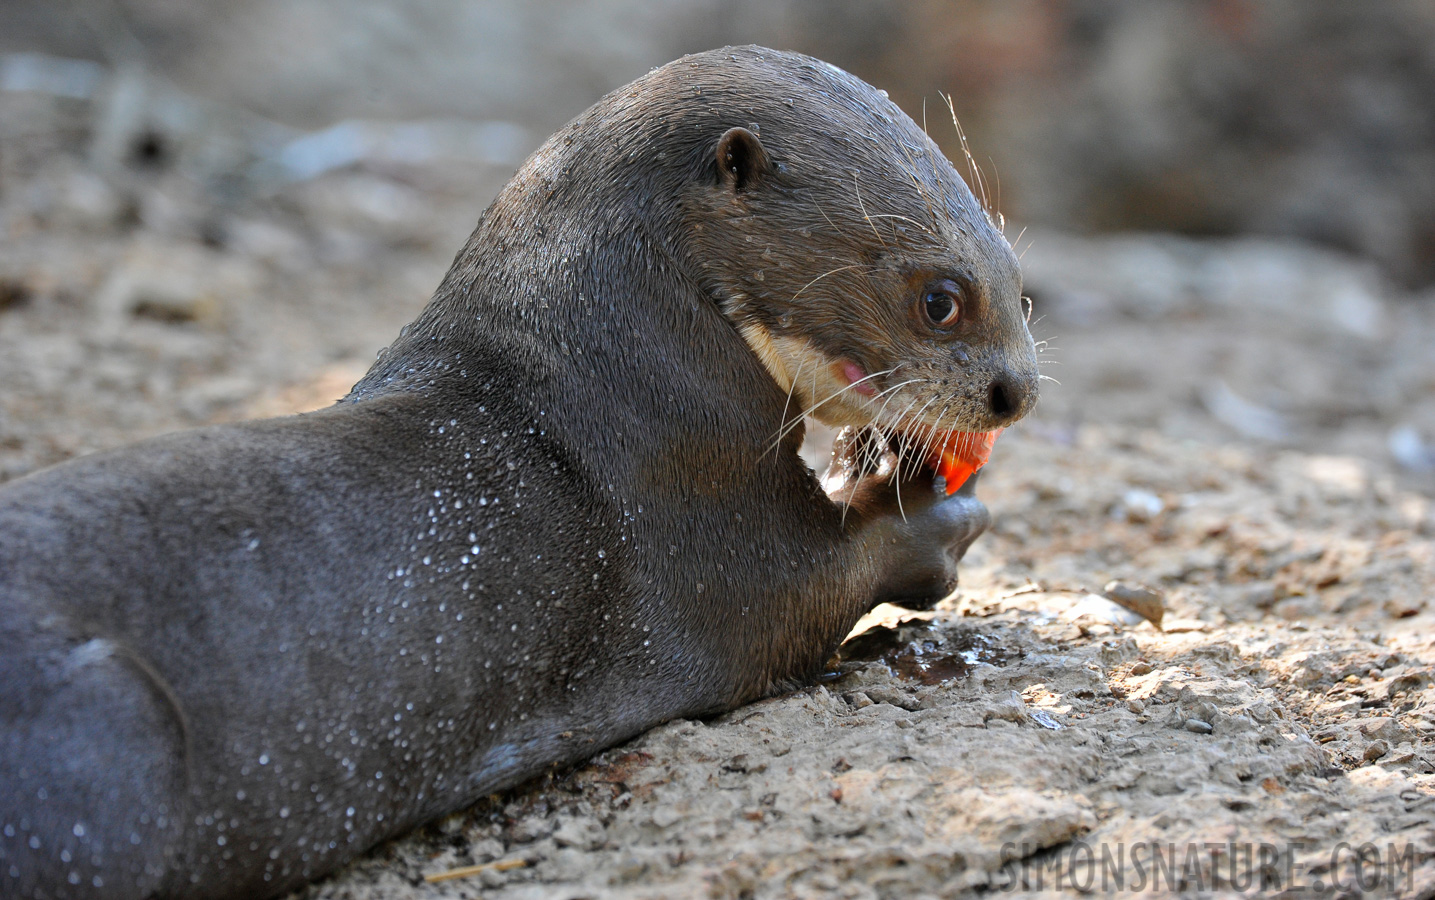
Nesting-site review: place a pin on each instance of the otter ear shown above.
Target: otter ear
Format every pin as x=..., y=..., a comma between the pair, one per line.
x=741, y=160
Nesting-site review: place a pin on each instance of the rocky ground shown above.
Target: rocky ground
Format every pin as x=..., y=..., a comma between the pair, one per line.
x=1241, y=426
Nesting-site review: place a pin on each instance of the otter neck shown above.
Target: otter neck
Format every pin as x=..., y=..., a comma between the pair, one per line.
x=785, y=359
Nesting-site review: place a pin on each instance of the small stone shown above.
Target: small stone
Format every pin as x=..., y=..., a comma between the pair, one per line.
x=1262, y=713
x=1138, y=506
x=1384, y=728
x=486, y=850
x=881, y=693
x=1206, y=711
x=1376, y=750
x=738, y=763
x=1196, y=726
x=1141, y=668
x=533, y=828
x=1136, y=706
x=859, y=700
x=628, y=869
x=1098, y=611
x=583, y=833
x=1184, y=626
x=1261, y=595
x=1403, y=607
x=1140, y=599
x=175, y=309
x=1297, y=609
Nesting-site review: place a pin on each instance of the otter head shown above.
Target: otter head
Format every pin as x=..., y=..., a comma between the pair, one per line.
x=856, y=262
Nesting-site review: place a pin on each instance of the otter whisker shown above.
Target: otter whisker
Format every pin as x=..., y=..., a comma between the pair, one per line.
x=829, y=219
x=917, y=419
x=1001, y=219
x=935, y=432
x=877, y=420
x=913, y=423
x=824, y=275
x=897, y=476
x=1018, y=239
x=883, y=434
x=924, y=452
x=839, y=392
x=791, y=386
x=813, y=392
x=912, y=173
x=906, y=219
x=891, y=392
x=787, y=426
x=893, y=389
x=857, y=189
x=948, y=426
x=972, y=168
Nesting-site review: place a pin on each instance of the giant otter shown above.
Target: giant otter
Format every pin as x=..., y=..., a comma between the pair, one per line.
x=564, y=506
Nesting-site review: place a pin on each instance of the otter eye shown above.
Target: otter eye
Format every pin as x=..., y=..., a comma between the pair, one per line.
x=941, y=307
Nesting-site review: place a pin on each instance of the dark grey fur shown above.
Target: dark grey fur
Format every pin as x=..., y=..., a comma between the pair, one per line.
x=547, y=519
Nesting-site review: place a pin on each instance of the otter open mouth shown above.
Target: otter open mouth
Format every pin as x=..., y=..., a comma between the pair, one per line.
x=956, y=456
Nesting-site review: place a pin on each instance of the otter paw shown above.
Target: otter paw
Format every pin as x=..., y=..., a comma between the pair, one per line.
x=934, y=542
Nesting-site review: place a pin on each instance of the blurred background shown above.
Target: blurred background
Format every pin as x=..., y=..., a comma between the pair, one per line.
x=1225, y=208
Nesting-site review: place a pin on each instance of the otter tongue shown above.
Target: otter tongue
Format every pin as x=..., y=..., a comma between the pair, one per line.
x=961, y=454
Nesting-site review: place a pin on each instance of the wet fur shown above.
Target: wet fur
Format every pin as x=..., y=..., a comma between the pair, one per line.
x=550, y=517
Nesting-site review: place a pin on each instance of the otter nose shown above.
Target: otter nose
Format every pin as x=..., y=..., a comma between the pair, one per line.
x=1010, y=397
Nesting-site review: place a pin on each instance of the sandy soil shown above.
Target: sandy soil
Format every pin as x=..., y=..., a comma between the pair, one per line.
x=1240, y=426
